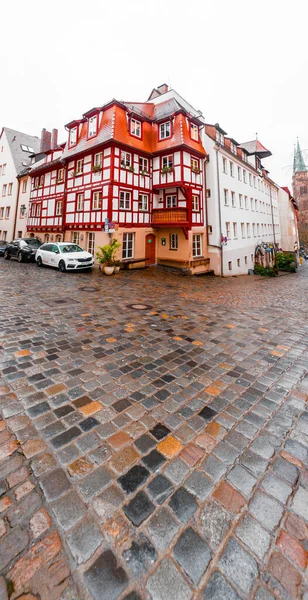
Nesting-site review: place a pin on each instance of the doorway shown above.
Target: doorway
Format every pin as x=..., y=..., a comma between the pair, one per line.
x=150, y=252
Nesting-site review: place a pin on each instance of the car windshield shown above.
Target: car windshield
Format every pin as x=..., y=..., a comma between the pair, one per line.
x=70, y=248
x=33, y=242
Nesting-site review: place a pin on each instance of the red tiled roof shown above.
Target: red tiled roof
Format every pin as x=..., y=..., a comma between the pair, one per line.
x=114, y=126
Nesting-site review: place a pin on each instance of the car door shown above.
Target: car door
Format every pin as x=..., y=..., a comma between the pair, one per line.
x=54, y=255
x=45, y=253
x=15, y=248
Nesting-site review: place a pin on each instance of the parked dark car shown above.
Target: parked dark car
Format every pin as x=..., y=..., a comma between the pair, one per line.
x=23, y=249
x=3, y=245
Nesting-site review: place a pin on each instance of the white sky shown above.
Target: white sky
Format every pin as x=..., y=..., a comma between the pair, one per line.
x=243, y=63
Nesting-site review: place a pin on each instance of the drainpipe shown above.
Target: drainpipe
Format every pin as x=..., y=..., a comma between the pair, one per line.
x=274, y=252
x=216, y=148
x=16, y=210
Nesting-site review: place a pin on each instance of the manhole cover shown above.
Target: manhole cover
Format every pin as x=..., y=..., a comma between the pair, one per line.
x=89, y=289
x=139, y=306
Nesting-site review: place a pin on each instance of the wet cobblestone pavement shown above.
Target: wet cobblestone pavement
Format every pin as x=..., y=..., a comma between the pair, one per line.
x=154, y=436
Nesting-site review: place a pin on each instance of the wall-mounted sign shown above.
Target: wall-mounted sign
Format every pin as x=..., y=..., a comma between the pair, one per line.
x=163, y=241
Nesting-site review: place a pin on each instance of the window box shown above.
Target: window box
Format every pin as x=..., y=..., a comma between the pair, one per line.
x=144, y=173
x=131, y=169
x=166, y=170
x=196, y=170
x=96, y=169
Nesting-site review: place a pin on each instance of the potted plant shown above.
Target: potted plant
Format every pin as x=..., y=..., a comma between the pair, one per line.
x=144, y=173
x=96, y=169
x=105, y=256
x=131, y=168
x=196, y=170
x=117, y=266
x=166, y=170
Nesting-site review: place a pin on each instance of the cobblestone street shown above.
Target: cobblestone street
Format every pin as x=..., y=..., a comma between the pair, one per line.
x=154, y=441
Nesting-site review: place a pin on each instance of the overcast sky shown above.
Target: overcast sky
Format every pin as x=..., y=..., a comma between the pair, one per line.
x=243, y=63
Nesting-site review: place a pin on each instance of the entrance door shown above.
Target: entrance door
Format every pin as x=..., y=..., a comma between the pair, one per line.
x=150, y=254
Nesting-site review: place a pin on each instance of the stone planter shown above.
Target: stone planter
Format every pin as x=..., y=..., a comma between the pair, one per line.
x=108, y=270
x=117, y=269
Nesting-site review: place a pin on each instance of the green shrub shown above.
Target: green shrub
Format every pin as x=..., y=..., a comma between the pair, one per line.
x=285, y=262
x=265, y=271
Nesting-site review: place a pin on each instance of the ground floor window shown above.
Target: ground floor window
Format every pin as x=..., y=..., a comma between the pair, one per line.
x=128, y=245
x=91, y=242
x=19, y=235
x=246, y=262
x=58, y=238
x=238, y=262
x=46, y=237
x=197, y=245
x=230, y=265
x=75, y=237
x=174, y=243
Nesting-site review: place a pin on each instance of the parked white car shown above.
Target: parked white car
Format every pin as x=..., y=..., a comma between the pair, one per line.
x=66, y=256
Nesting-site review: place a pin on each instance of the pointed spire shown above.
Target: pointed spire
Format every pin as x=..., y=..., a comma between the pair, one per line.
x=298, y=162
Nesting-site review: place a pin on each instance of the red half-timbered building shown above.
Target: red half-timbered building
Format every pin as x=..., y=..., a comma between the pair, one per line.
x=139, y=166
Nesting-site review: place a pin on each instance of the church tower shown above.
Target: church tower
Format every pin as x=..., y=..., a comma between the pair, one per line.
x=300, y=193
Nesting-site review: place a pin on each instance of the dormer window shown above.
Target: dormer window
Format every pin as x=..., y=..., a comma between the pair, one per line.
x=194, y=132
x=135, y=128
x=220, y=138
x=164, y=130
x=73, y=136
x=92, y=126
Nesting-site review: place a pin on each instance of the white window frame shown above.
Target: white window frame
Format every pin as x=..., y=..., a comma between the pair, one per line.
x=80, y=202
x=126, y=159
x=33, y=210
x=97, y=200
x=7, y=212
x=143, y=202
x=125, y=200
x=59, y=208
x=233, y=201
x=226, y=197
x=234, y=226
x=248, y=230
x=128, y=246
x=92, y=126
x=174, y=241
x=98, y=159
x=24, y=186
x=79, y=166
x=195, y=163
x=38, y=209
x=91, y=242
x=73, y=136
x=4, y=189
x=195, y=202
x=231, y=165
x=239, y=173
x=60, y=175
x=224, y=165
x=135, y=128
x=197, y=245
x=42, y=180
x=243, y=230
x=244, y=176
x=171, y=201
x=228, y=230
x=167, y=161
x=143, y=164
x=240, y=199
x=75, y=237
x=194, y=132
x=3, y=169
x=165, y=130
x=10, y=189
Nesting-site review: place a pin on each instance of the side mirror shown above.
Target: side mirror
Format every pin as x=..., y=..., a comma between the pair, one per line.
x=57, y=252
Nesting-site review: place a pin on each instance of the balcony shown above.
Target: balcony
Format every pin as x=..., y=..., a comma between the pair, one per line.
x=163, y=217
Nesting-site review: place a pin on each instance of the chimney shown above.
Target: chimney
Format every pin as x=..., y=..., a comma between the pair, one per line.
x=163, y=88
x=45, y=140
x=54, y=139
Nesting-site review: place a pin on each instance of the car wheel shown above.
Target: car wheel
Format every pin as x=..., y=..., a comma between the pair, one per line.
x=6, y=255
x=62, y=266
x=20, y=257
x=39, y=262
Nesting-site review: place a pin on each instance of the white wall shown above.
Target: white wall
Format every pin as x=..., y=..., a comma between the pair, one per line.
x=240, y=248
x=288, y=221
x=7, y=201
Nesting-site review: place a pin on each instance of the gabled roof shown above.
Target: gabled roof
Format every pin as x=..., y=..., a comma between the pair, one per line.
x=16, y=139
x=255, y=147
x=114, y=127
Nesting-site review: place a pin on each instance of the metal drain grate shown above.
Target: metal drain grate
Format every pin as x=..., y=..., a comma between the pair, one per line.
x=139, y=306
